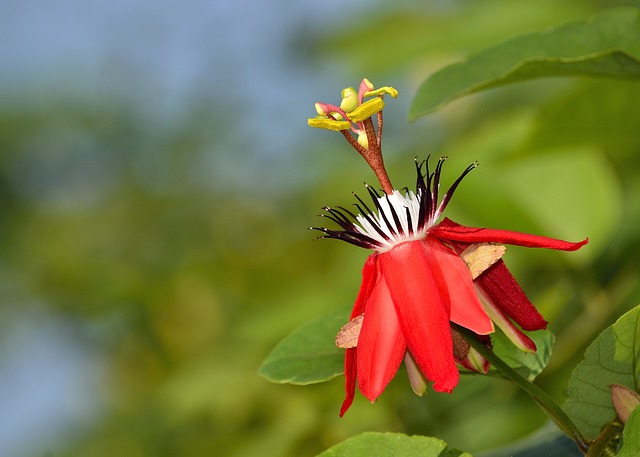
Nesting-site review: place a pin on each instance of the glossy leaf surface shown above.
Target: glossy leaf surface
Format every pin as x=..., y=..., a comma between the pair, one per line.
x=605, y=46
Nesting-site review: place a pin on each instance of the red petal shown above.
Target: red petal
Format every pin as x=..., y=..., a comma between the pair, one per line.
x=350, y=378
x=369, y=276
x=350, y=367
x=381, y=345
x=421, y=302
x=484, y=235
x=466, y=308
x=502, y=289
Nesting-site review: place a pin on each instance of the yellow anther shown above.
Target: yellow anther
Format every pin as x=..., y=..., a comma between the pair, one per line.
x=366, y=110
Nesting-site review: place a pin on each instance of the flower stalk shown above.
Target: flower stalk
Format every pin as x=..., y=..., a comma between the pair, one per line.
x=548, y=404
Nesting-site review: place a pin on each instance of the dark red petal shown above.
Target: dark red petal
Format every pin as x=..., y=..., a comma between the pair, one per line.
x=381, y=345
x=466, y=308
x=421, y=301
x=502, y=289
x=484, y=235
x=350, y=378
x=515, y=335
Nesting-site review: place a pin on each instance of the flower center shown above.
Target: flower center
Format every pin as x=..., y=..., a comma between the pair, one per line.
x=396, y=218
x=395, y=221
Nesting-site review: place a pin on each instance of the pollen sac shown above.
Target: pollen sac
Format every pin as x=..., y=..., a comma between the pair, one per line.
x=322, y=122
x=366, y=110
x=363, y=140
x=349, y=99
x=382, y=91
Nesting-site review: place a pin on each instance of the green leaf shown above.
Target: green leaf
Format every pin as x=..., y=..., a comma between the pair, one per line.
x=608, y=45
x=527, y=364
x=376, y=444
x=613, y=358
x=309, y=354
x=631, y=436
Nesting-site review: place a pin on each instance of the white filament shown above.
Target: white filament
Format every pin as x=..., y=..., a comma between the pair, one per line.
x=394, y=234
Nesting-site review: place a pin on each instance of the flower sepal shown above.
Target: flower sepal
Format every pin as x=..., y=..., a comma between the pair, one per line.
x=624, y=400
x=467, y=356
x=417, y=380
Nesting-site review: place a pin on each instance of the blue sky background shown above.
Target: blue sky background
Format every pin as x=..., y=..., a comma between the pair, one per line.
x=160, y=58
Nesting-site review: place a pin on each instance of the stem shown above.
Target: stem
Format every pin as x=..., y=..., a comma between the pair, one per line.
x=354, y=143
x=603, y=440
x=372, y=155
x=548, y=404
x=380, y=128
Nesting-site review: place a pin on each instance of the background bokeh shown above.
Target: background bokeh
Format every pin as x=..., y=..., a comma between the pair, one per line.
x=157, y=178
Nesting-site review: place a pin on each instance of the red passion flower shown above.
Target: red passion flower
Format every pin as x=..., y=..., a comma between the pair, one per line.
x=418, y=279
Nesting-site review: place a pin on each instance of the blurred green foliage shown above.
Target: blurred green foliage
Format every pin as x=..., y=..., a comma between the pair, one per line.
x=611, y=359
x=183, y=262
